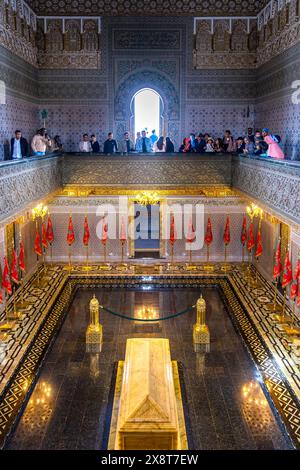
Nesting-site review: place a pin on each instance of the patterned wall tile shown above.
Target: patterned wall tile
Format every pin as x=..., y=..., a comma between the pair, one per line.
x=71, y=121
x=16, y=114
x=215, y=119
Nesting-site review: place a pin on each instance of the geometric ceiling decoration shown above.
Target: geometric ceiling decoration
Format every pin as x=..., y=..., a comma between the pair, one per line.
x=147, y=7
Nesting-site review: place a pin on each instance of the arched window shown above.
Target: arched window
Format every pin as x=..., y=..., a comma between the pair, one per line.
x=147, y=110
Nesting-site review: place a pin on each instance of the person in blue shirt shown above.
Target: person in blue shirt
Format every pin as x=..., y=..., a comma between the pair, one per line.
x=153, y=138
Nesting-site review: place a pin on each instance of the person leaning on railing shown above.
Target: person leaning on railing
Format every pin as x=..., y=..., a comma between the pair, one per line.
x=126, y=145
x=41, y=142
x=18, y=146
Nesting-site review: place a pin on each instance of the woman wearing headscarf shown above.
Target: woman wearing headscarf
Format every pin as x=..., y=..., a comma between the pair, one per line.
x=159, y=145
x=274, y=150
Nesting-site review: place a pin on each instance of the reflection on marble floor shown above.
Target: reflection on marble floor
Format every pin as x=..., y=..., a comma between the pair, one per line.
x=227, y=407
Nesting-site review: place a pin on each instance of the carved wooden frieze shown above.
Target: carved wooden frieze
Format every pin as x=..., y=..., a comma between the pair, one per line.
x=246, y=42
x=16, y=35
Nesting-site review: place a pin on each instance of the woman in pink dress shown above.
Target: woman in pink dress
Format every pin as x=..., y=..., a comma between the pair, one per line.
x=274, y=149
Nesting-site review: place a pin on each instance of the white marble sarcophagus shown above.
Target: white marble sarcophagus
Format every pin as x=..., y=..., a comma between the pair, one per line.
x=147, y=414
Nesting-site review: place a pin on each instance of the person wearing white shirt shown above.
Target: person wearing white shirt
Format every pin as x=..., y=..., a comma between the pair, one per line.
x=85, y=145
x=18, y=146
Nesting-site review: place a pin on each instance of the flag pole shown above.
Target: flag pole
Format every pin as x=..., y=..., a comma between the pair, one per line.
x=43, y=247
x=172, y=254
x=14, y=301
x=20, y=270
x=284, y=304
x=21, y=288
x=293, y=314
x=275, y=294
x=37, y=256
x=6, y=308
x=207, y=252
x=70, y=266
x=256, y=275
x=104, y=253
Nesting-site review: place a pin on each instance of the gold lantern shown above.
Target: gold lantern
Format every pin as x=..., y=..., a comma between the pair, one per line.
x=94, y=335
x=201, y=335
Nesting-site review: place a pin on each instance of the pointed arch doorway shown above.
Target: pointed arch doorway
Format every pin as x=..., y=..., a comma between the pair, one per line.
x=147, y=112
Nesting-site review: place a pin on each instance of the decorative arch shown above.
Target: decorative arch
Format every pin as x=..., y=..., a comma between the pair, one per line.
x=128, y=88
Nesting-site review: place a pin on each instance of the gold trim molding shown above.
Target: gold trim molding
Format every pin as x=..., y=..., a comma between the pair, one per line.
x=206, y=191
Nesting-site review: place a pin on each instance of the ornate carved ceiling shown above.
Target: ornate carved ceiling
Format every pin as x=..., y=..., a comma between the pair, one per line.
x=148, y=7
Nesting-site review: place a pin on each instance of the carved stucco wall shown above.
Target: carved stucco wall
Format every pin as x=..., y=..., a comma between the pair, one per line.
x=154, y=170
x=273, y=184
x=28, y=181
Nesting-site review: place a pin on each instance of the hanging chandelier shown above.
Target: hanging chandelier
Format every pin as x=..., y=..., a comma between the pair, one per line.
x=147, y=198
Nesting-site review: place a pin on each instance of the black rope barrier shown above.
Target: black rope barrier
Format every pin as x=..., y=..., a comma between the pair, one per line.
x=168, y=317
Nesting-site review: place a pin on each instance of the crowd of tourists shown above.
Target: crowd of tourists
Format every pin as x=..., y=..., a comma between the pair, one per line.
x=260, y=143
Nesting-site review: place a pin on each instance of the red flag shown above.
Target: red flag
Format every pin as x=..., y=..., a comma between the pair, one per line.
x=1, y=295
x=86, y=232
x=50, y=233
x=71, y=234
x=277, y=262
x=226, y=236
x=37, y=243
x=104, y=232
x=6, y=284
x=250, y=243
x=259, y=247
x=21, y=257
x=173, y=235
x=287, y=271
x=244, y=231
x=209, y=235
x=44, y=236
x=191, y=235
x=123, y=237
x=14, y=274
x=295, y=289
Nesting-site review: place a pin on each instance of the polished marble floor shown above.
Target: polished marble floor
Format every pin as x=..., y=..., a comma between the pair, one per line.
x=226, y=405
